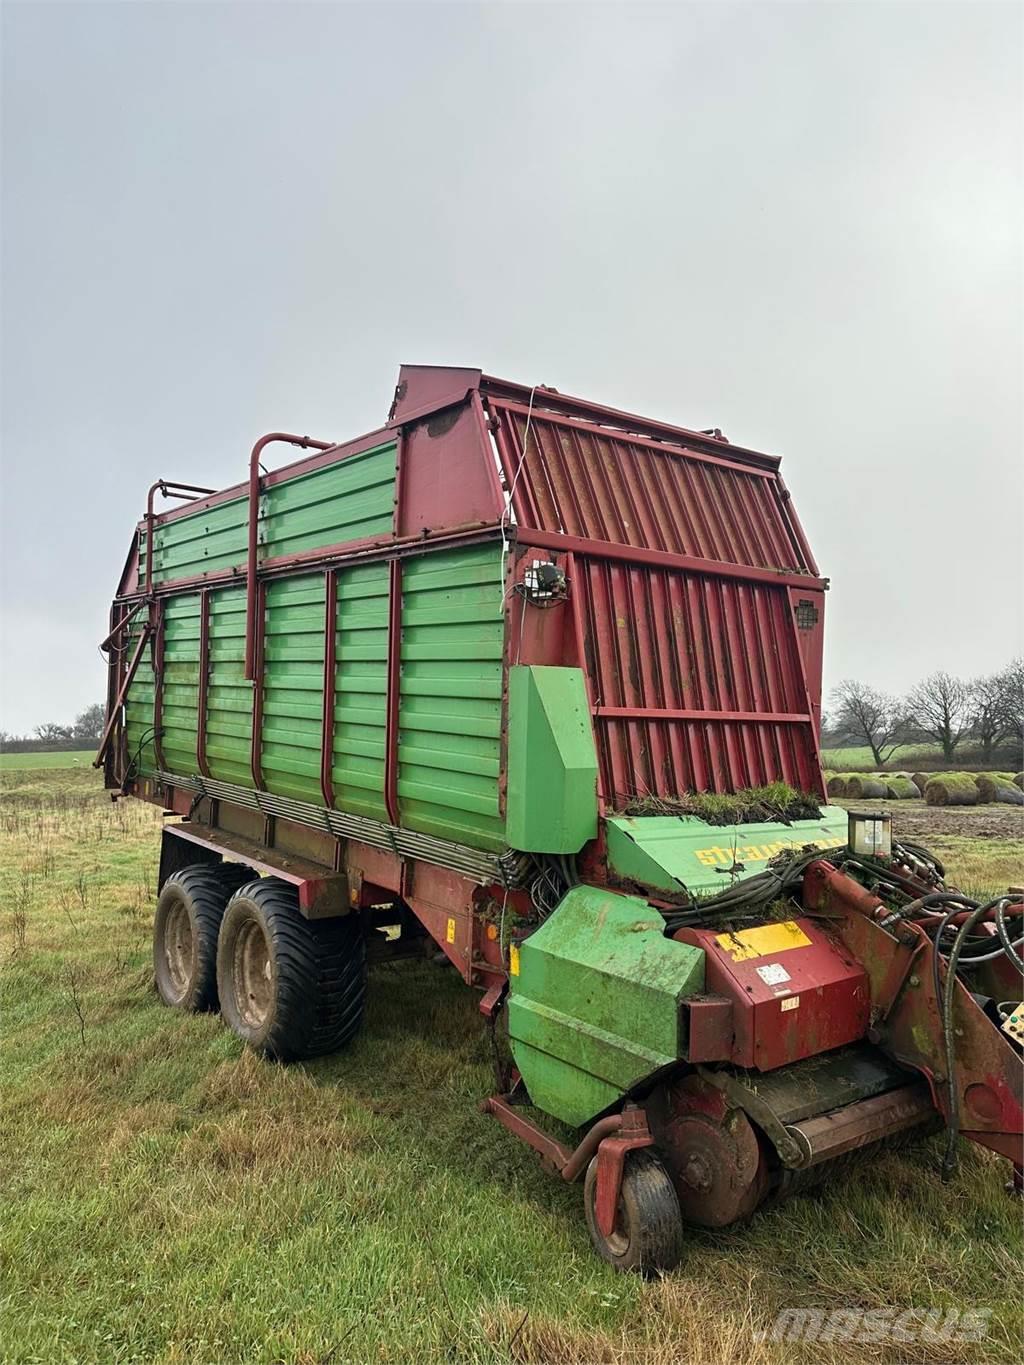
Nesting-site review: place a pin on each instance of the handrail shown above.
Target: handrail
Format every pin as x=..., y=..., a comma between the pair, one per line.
x=169, y=490
x=307, y=443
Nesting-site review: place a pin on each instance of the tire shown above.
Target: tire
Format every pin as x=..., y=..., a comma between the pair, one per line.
x=648, y=1232
x=185, y=929
x=234, y=875
x=289, y=987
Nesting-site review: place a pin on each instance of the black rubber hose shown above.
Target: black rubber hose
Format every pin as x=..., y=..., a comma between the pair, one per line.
x=953, y=1117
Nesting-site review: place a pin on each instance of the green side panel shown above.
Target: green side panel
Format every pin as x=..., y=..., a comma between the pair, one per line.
x=551, y=805
x=293, y=687
x=138, y=710
x=228, y=695
x=594, y=1008
x=201, y=543
x=680, y=853
x=180, y=700
x=360, y=690
x=350, y=500
x=449, y=743
x=346, y=501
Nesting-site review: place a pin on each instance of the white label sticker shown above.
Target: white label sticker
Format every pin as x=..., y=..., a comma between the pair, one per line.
x=791, y=1004
x=774, y=974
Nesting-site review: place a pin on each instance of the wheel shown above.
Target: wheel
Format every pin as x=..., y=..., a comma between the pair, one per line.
x=188, y=916
x=234, y=875
x=648, y=1231
x=289, y=987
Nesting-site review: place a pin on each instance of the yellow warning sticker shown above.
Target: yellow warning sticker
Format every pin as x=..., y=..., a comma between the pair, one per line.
x=450, y=932
x=765, y=940
x=513, y=959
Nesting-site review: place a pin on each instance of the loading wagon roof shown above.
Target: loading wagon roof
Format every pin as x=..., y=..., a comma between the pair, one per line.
x=426, y=389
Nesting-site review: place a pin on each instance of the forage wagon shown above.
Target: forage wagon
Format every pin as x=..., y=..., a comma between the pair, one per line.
x=537, y=682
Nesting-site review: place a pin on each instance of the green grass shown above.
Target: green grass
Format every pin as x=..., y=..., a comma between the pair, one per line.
x=74, y=758
x=856, y=758
x=167, y=1197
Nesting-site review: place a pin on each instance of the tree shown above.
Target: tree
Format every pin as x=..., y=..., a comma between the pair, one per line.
x=53, y=734
x=863, y=713
x=940, y=707
x=89, y=725
x=1011, y=699
x=991, y=710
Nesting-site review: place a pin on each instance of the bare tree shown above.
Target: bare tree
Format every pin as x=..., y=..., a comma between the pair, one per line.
x=1011, y=703
x=940, y=707
x=988, y=702
x=53, y=734
x=863, y=713
x=89, y=724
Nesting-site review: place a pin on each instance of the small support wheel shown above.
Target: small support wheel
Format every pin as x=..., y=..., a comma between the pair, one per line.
x=648, y=1232
x=289, y=987
x=185, y=929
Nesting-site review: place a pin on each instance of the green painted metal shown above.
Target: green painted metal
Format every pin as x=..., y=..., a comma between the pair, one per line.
x=449, y=742
x=594, y=1007
x=450, y=692
x=360, y=695
x=228, y=694
x=181, y=682
x=293, y=687
x=350, y=500
x=681, y=853
x=138, y=710
x=551, y=804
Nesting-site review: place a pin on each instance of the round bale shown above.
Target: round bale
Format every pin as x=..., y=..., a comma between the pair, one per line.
x=951, y=789
x=863, y=787
x=900, y=788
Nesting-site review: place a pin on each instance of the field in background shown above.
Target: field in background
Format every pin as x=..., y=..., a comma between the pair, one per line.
x=167, y=1197
x=74, y=758
x=927, y=757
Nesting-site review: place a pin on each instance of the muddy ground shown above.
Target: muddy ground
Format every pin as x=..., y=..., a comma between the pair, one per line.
x=917, y=821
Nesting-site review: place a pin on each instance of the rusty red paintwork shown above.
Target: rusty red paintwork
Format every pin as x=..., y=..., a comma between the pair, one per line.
x=711, y=1151
x=906, y=1022
x=787, y=1003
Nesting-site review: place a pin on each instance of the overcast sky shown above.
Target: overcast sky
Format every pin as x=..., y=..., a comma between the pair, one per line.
x=798, y=222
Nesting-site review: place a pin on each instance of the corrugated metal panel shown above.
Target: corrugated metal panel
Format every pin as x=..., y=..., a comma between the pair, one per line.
x=672, y=641
x=293, y=682
x=450, y=696
x=228, y=695
x=581, y=480
x=360, y=700
x=180, y=682
x=186, y=547
x=350, y=500
x=138, y=711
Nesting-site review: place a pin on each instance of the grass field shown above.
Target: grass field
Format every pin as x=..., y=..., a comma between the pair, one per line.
x=75, y=758
x=165, y=1196
x=855, y=759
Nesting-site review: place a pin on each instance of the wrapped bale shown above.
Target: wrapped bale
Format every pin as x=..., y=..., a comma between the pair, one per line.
x=900, y=788
x=951, y=789
x=996, y=787
x=863, y=787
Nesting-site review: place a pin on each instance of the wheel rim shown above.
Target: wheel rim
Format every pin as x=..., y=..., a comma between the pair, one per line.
x=618, y=1239
x=253, y=988
x=179, y=949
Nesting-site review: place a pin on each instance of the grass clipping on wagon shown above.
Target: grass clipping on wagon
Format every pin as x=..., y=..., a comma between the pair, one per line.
x=775, y=803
